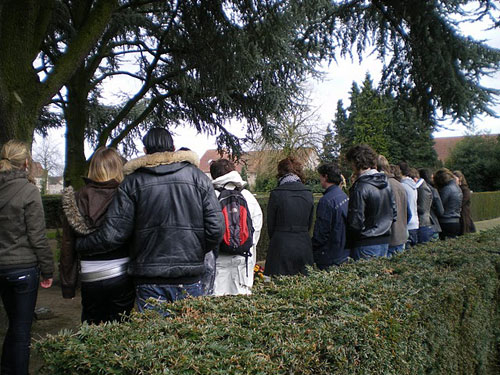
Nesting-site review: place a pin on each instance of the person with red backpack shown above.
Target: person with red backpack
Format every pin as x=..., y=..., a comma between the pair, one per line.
x=237, y=252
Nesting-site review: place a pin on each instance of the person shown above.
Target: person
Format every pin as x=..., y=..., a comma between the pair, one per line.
x=372, y=208
x=232, y=275
x=466, y=223
x=451, y=196
x=436, y=206
x=399, y=228
x=289, y=219
x=166, y=208
x=107, y=291
x=424, y=204
x=25, y=256
x=410, y=186
x=329, y=236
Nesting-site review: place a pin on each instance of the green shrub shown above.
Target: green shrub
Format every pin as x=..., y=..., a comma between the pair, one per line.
x=433, y=310
x=52, y=207
x=485, y=206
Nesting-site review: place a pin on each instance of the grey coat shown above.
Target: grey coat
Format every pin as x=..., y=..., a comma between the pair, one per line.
x=451, y=196
x=23, y=243
x=424, y=203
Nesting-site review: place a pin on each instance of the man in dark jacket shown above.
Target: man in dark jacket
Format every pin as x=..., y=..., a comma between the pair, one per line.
x=372, y=209
x=329, y=237
x=166, y=209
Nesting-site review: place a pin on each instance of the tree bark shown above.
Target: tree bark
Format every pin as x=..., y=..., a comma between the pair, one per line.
x=76, y=122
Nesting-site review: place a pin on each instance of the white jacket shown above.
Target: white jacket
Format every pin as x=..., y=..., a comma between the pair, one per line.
x=231, y=272
x=412, y=194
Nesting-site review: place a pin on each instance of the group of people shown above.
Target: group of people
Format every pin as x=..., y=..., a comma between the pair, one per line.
x=153, y=228
x=389, y=208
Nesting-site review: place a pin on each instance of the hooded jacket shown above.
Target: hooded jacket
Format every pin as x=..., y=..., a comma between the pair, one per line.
x=23, y=242
x=372, y=210
x=412, y=194
x=84, y=212
x=167, y=211
x=231, y=276
x=424, y=203
x=399, y=229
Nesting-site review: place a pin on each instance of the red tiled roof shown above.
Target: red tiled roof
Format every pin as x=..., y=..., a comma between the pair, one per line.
x=211, y=155
x=443, y=146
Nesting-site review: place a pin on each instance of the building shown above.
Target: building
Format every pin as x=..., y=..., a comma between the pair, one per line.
x=45, y=183
x=445, y=145
x=254, y=162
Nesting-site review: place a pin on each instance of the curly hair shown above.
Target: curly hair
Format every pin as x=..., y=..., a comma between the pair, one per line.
x=290, y=165
x=362, y=157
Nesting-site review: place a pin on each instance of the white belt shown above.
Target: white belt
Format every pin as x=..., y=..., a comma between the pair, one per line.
x=88, y=277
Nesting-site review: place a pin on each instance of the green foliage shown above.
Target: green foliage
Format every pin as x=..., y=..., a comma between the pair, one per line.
x=485, y=206
x=52, y=207
x=330, y=151
x=478, y=158
x=312, y=181
x=265, y=182
x=391, y=125
x=433, y=310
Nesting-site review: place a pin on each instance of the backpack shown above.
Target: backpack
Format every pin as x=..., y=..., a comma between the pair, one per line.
x=238, y=236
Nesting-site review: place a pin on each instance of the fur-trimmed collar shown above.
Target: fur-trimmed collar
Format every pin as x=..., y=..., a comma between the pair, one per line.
x=160, y=158
x=73, y=214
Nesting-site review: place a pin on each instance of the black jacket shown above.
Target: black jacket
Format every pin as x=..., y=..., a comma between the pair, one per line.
x=372, y=210
x=289, y=218
x=167, y=211
x=329, y=239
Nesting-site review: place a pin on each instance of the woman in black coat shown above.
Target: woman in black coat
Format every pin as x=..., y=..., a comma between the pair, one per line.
x=289, y=219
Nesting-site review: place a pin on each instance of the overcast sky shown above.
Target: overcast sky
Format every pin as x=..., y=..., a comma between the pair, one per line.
x=325, y=93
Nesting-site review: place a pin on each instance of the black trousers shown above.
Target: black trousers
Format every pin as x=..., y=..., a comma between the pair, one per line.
x=449, y=230
x=107, y=300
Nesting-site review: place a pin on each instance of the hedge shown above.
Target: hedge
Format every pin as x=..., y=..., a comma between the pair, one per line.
x=432, y=310
x=485, y=206
x=52, y=206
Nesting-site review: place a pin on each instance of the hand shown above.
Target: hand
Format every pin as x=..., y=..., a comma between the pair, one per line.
x=46, y=283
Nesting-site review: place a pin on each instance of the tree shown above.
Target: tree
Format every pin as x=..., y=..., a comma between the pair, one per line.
x=214, y=60
x=330, y=151
x=478, y=157
x=391, y=125
x=47, y=154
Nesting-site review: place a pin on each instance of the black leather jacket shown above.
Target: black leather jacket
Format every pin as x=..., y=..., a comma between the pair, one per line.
x=372, y=210
x=169, y=214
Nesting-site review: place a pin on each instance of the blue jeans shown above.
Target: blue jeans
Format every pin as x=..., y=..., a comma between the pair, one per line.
x=425, y=234
x=164, y=293
x=370, y=251
x=412, y=238
x=18, y=289
x=393, y=250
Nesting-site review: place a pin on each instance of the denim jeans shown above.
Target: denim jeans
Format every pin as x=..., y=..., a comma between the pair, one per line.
x=425, y=234
x=18, y=289
x=393, y=250
x=370, y=251
x=412, y=238
x=107, y=300
x=165, y=293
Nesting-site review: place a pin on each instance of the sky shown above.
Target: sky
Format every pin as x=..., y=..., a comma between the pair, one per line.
x=325, y=92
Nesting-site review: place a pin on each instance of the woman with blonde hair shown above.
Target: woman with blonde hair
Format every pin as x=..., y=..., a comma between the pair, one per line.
x=289, y=219
x=24, y=253
x=466, y=223
x=107, y=291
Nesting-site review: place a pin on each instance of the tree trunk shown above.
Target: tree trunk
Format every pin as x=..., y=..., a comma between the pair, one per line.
x=76, y=122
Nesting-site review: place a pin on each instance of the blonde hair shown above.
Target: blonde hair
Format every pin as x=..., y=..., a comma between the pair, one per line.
x=14, y=155
x=105, y=165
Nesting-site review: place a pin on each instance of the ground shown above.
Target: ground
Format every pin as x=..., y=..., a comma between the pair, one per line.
x=65, y=314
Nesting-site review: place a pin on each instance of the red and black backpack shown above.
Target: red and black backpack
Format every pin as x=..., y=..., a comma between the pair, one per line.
x=238, y=236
